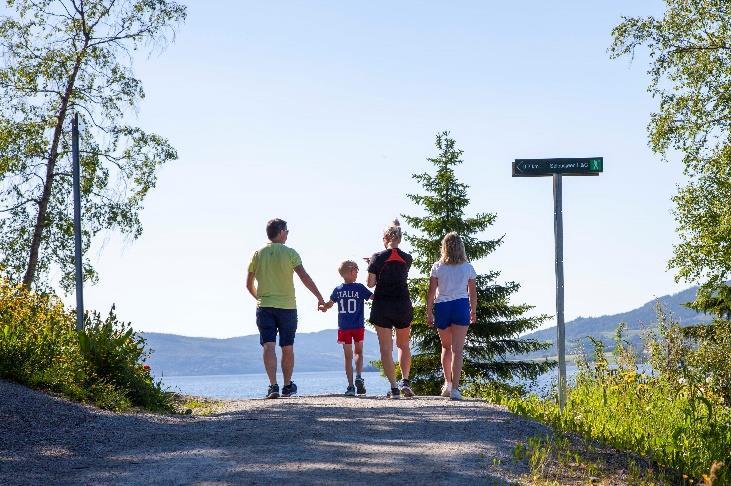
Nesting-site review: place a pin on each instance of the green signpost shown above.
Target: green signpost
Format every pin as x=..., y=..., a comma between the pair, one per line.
x=590, y=166
x=556, y=168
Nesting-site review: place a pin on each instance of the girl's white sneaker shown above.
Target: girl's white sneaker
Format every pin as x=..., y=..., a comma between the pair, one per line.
x=446, y=390
x=455, y=394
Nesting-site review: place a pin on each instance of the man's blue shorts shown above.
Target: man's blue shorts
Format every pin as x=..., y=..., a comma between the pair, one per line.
x=452, y=312
x=271, y=320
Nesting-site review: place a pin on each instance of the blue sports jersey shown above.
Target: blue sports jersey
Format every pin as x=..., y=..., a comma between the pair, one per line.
x=350, y=299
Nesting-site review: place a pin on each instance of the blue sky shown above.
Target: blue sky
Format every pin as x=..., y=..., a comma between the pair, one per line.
x=319, y=112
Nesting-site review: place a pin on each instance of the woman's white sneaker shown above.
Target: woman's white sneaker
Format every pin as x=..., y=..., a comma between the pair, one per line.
x=455, y=394
x=446, y=390
x=405, y=387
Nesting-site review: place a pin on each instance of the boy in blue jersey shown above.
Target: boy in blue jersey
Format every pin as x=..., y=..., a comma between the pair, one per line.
x=350, y=297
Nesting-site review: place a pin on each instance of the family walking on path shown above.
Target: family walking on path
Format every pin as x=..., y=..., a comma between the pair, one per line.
x=451, y=306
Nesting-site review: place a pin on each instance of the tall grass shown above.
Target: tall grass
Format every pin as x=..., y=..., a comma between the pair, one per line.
x=103, y=365
x=674, y=416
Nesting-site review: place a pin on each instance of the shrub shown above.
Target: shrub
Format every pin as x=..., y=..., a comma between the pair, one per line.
x=709, y=358
x=40, y=347
x=37, y=342
x=116, y=354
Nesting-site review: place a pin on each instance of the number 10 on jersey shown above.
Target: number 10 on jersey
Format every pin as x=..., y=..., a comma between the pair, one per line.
x=349, y=306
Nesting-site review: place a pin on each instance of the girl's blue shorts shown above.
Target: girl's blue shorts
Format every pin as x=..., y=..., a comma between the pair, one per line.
x=452, y=312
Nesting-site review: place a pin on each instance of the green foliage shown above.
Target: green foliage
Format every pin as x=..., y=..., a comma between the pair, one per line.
x=540, y=452
x=697, y=355
x=199, y=406
x=714, y=299
x=58, y=57
x=493, y=391
x=40, y=347
x=495, y=334
x=690, y=74
x=37, y=343
x=710, y=360
x=116, y=355
x=549, y=457
x=677, y=417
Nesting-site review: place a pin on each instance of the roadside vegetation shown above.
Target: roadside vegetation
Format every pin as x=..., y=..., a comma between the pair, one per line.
x=197, y=405
x=678, y=417
x=101, y=365
x=568, y=459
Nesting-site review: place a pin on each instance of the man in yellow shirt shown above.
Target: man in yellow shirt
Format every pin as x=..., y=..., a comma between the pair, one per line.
x=273, y=268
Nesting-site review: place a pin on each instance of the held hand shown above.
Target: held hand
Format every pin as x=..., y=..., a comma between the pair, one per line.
x=321, y=306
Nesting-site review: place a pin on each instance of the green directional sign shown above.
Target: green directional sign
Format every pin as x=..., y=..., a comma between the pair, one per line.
x=587, y=166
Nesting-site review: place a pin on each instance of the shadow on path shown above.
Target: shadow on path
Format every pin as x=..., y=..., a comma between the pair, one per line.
x=324, y=439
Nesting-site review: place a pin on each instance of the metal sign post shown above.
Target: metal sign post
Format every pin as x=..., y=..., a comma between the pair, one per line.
x=561, y=331
x=557, y=168
x=76, y=170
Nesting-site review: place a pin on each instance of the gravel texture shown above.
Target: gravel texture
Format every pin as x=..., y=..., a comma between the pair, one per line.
x=300, y=440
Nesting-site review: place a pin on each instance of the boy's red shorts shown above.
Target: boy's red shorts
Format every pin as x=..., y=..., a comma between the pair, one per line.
x=347, y=336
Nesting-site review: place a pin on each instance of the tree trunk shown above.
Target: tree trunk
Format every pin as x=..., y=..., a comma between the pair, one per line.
x=41, y=222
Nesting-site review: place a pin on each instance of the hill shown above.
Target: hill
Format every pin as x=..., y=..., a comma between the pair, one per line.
x=174, y=355
x=637, y=322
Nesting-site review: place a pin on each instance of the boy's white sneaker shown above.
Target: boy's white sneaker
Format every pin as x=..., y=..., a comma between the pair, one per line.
x=455, y=394
x=446, y=390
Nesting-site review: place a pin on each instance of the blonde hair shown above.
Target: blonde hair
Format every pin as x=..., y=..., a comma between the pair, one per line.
x=347, y=265
x=392, y=233
x=453, y=251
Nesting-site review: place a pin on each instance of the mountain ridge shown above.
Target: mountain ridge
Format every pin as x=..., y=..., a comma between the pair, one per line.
x=637, y=321
x=176, y=355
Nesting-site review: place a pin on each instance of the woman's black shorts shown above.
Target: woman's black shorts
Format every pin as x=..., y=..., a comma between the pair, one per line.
x=392, y=313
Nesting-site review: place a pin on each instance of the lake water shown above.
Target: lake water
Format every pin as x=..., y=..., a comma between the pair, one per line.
x=254, y=385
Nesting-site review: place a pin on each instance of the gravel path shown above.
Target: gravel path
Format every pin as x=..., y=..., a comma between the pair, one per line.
x=300, y=440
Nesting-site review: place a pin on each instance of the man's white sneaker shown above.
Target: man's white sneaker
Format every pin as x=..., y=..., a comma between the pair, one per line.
x=455, y=394
x=446, y=390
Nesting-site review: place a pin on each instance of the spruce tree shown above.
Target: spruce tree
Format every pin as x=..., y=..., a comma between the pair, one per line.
x=494, y=336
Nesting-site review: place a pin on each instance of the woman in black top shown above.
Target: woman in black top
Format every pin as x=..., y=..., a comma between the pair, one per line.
x=388, y=271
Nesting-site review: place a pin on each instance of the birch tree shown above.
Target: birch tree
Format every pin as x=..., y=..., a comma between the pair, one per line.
x=690, y=76
x=58, y=57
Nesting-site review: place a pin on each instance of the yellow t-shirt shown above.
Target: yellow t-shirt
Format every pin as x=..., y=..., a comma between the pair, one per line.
x=273, y=267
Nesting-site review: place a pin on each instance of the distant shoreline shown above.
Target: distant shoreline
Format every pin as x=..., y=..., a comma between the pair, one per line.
x=366, y=369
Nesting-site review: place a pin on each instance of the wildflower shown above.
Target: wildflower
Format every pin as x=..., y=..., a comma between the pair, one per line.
x=147, y=368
